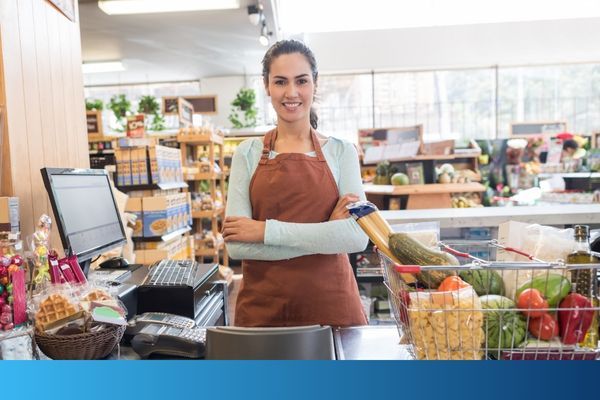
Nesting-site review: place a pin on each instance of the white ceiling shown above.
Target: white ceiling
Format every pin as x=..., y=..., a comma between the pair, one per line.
x=194, y=45
x=170, y=46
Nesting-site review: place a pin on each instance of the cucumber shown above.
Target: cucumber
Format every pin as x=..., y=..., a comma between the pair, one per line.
x=411, y=252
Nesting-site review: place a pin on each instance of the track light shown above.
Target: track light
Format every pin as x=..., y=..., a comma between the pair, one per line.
x=255, y=13
x=264, y=35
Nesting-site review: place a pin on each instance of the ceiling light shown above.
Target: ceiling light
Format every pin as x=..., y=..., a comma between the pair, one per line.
x=99, y=67
x=117, y=7
x=255, y=13
x=264, y=35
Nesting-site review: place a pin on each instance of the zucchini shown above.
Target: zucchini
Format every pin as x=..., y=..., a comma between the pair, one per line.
x=411, y=252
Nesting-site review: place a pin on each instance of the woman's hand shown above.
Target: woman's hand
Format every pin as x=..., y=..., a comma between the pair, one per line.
x=243, y=229
x=340, y=211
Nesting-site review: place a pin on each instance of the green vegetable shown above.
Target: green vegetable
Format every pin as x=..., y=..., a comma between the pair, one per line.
x=484, y=281
x=554, y=287
x=492, y=301
x=411, y=252
x=503, y=330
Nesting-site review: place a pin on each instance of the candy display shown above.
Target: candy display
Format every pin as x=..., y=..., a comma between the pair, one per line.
x=39, y=245
x=12, y=282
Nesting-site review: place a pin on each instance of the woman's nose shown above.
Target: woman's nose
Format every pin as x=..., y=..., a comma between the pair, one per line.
x=291, y=90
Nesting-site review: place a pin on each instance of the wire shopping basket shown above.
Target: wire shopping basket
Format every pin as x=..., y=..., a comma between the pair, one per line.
x=508, y=310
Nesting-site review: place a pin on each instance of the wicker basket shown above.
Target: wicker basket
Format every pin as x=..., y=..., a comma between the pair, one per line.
x=84, y=346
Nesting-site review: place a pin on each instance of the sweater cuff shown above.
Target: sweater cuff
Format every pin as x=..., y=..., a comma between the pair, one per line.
x=272, y=233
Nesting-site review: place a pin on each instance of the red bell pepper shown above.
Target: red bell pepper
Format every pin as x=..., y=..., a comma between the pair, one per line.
x=574, y=322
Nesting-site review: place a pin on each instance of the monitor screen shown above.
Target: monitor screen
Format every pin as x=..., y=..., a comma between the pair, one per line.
x=85, y=210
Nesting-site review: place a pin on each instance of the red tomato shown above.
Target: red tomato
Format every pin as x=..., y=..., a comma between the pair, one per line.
x=452, y=283
x=532, y=303
x=544, y=327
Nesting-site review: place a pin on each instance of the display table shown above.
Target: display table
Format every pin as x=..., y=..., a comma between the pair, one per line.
x=493, y=216
x=434, y=195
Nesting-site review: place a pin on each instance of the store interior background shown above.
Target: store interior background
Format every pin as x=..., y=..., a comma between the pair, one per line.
x=463, y=69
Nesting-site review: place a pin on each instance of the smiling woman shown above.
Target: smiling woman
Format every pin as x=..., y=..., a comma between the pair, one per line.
x=286, y=214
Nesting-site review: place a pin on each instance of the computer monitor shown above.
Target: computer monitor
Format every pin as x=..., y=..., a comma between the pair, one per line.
x=85, y=211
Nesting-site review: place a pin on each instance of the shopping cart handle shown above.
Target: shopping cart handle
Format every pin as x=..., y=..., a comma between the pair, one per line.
x=407, y=269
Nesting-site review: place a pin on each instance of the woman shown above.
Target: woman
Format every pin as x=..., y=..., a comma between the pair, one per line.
x=286, y=214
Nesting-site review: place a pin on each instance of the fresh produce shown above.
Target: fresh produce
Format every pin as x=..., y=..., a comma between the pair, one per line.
x=399, y=179
x=410, y=252
x=504, y=330
x=496, y=301
x=544, y=327
x=574, y=322
x=553, y=287
x=532, y=303
x=484, y=281
x=384, y=171
x=452, y=283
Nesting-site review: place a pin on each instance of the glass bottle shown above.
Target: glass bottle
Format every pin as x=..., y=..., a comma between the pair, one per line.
x=585, y=281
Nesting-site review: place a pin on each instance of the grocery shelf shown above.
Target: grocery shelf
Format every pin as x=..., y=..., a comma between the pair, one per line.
x=164, y=238
x=208, y=213
x=431, y=157
x=204, y=139
x=430, y=188
x=571, y=175
x=162, y=186
x=210, y=252
x=206, y=176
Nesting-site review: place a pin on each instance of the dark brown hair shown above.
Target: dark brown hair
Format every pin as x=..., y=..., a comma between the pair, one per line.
x=290, y=47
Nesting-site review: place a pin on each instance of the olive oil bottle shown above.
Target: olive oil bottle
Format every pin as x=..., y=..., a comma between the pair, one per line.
x=585, y=281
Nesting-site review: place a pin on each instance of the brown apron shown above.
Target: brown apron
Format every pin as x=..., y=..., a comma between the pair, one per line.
x=306, y=290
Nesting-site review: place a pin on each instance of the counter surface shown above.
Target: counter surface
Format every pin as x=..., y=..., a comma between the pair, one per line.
x=380, y=342
x=493, y=216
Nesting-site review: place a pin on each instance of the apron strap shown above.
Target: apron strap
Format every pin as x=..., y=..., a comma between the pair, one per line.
x=267, y=146
x=269, y=140
x=316, y=145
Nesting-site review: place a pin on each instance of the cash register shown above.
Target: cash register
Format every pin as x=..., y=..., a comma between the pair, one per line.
x=89, y=224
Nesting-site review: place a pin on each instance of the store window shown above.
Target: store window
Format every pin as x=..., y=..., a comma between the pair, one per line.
x=569, y=92
x=450, y=104
x=344, y=105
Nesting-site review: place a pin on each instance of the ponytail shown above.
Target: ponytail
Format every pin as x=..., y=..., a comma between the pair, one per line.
x=314, y=118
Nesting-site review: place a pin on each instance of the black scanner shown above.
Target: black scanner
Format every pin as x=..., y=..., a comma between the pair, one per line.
x=114, y=263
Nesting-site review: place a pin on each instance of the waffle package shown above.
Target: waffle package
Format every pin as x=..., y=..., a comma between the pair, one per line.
x=69, y=310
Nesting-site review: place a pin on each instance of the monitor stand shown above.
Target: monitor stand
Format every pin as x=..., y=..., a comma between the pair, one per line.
x=85, y=267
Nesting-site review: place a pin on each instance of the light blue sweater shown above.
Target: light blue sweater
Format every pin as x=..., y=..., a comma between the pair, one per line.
x=285, y=240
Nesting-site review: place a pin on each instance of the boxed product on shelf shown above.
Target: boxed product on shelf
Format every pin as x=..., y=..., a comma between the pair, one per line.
x=134, y=206
x=165, y=165
x=165, y=214
x=150, y=252
x=9, y=214
x=123, y=158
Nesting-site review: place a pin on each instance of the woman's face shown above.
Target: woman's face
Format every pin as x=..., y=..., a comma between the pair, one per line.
x=291, y=87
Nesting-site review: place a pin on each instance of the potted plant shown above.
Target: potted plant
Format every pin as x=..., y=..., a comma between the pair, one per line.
x=244, y=104
x=120, y=107
x=94, y=105
x=149, y=106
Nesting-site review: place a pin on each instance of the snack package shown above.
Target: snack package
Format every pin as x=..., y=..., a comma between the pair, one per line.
x=39, y=246
x=64, y=309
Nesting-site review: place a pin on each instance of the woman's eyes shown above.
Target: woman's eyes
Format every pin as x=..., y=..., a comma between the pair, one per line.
x=301, y=81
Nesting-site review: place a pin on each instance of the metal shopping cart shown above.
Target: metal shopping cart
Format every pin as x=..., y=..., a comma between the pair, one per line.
x=473, y=322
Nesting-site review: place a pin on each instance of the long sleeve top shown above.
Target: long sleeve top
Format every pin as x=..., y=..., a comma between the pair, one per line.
x=284, y=240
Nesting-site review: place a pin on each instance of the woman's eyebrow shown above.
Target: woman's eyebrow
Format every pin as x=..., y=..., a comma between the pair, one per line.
x=283, y=77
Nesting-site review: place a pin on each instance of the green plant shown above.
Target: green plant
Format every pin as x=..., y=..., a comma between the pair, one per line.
x=148, y=105
x=158, y=123
x=94, y=105
x=244, y=103
x=120, y=106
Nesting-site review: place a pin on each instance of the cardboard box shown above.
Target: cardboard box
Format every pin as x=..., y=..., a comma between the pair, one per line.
x=134, y=206
x=9, y=214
